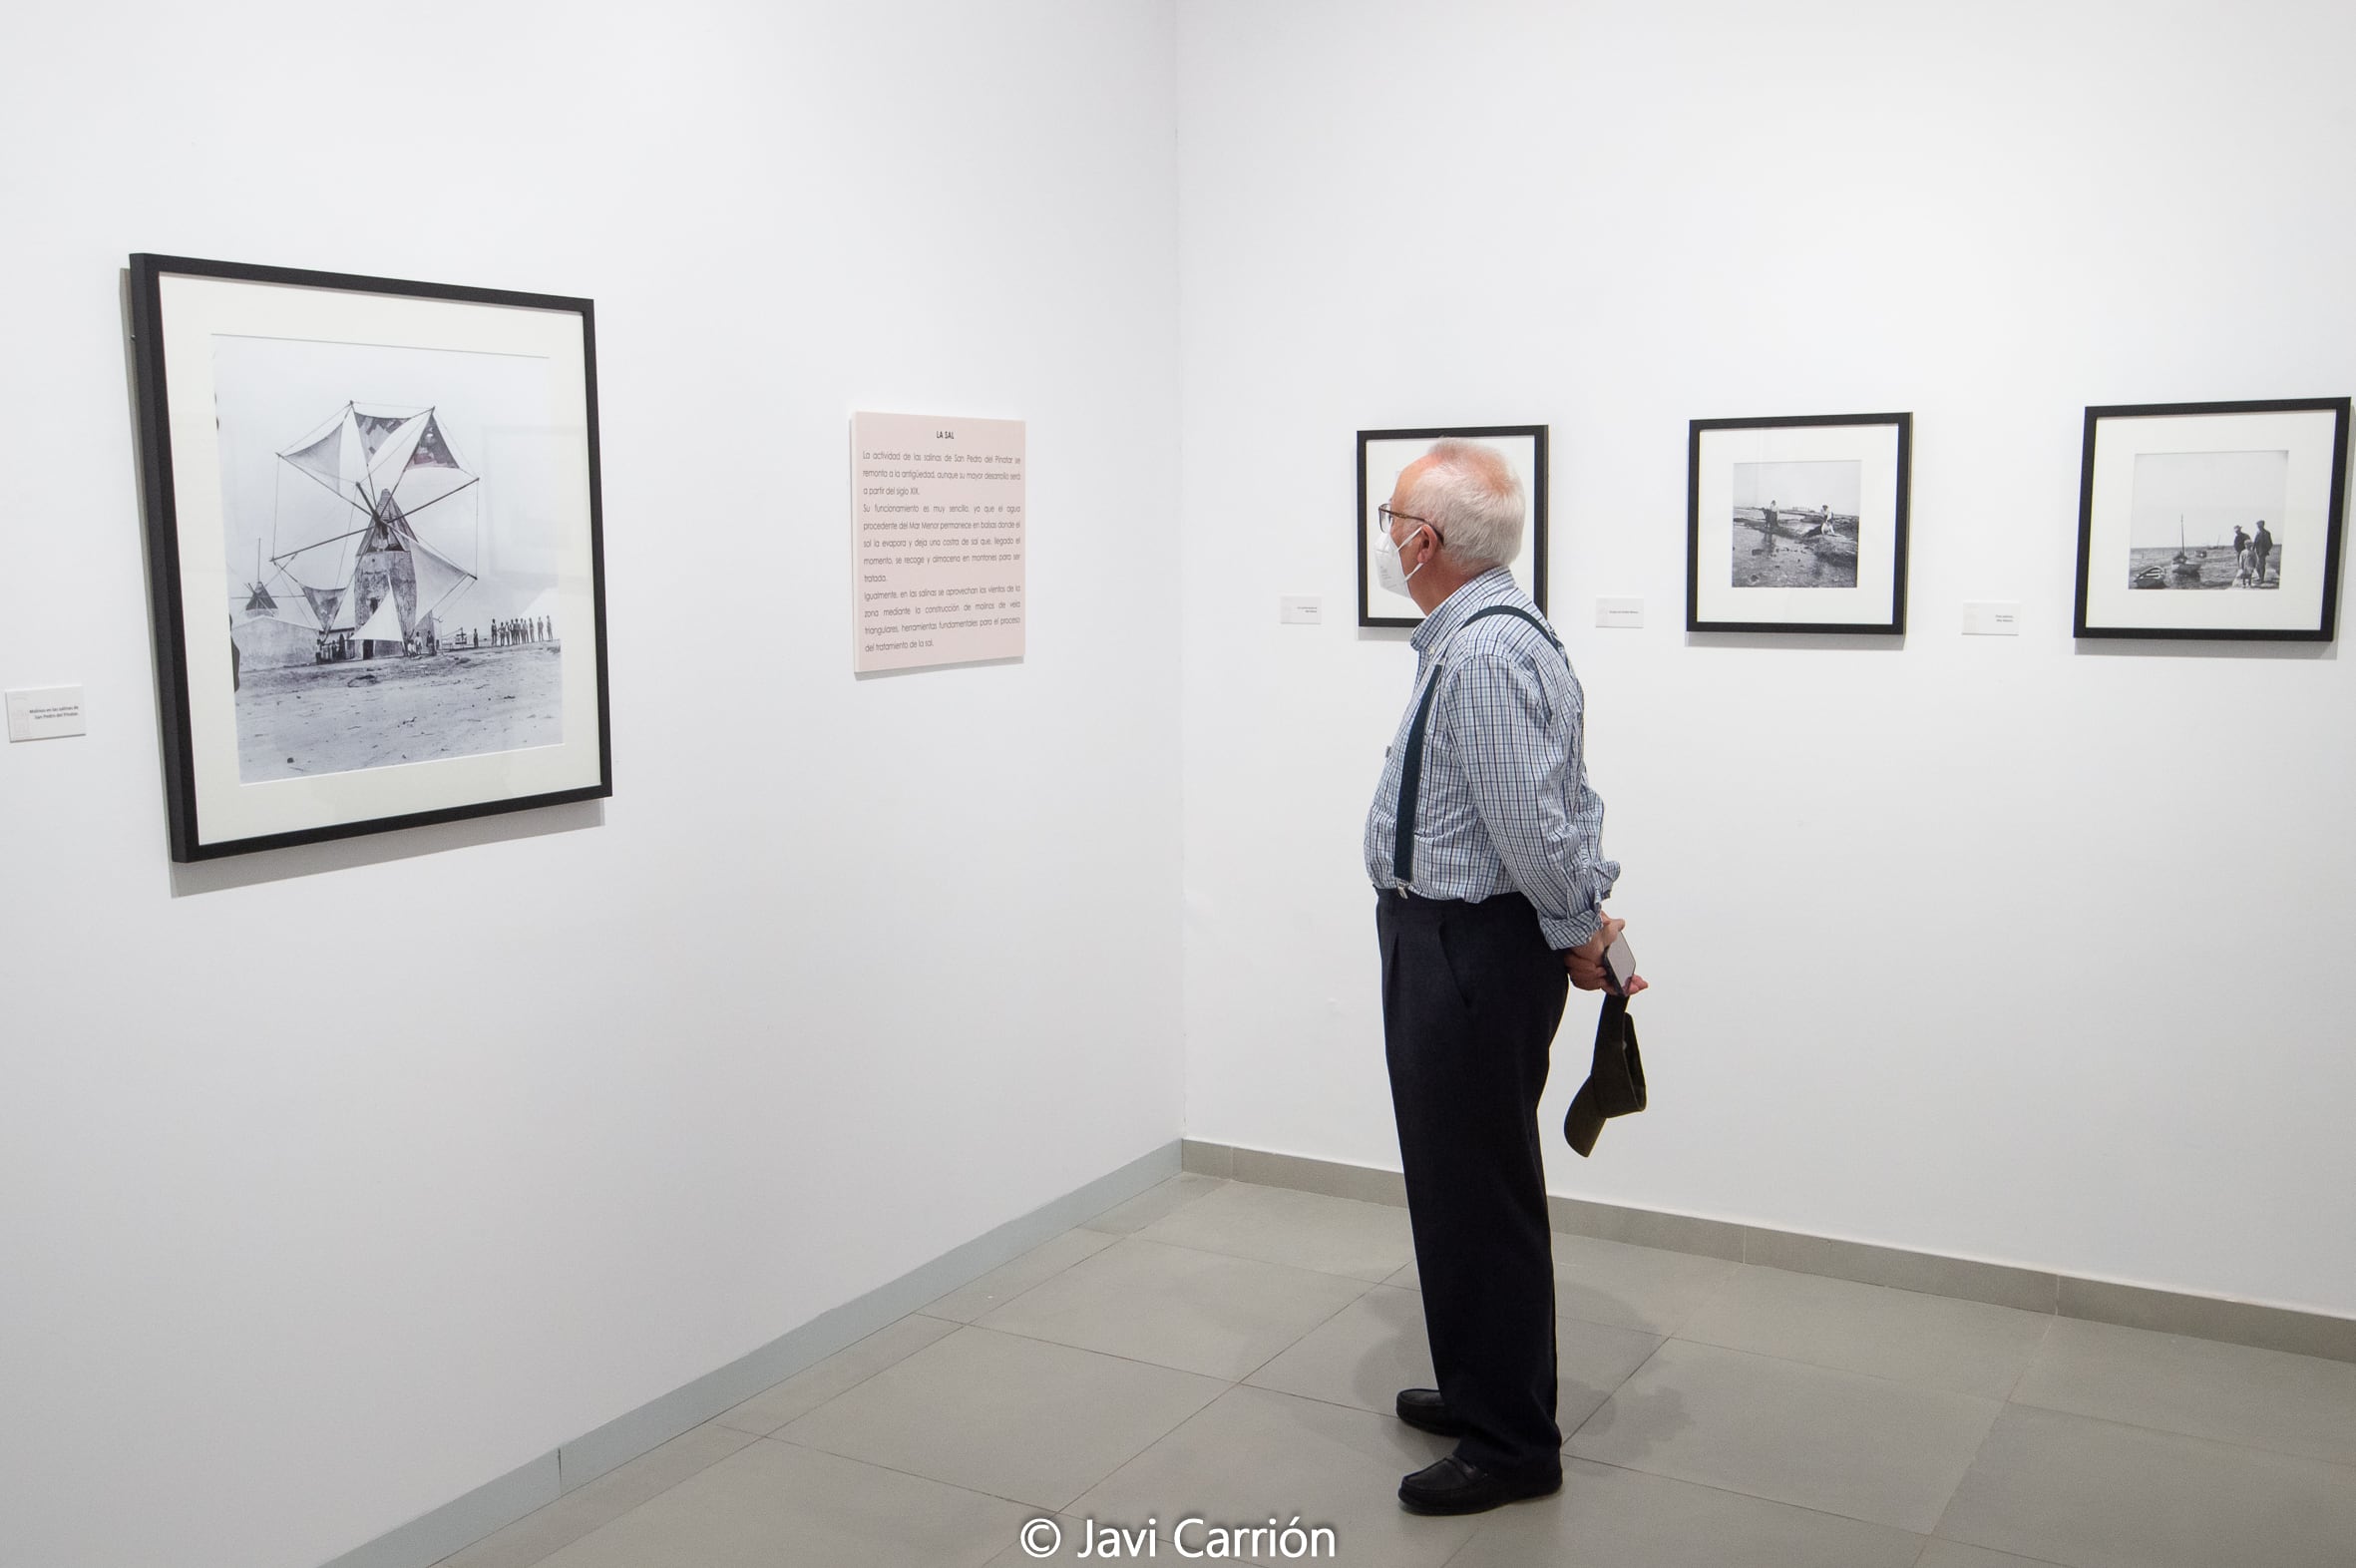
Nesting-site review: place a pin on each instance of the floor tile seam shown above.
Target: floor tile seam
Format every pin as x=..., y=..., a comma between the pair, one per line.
x=1964, y=1474
x=1886, y=1288
x=1995, y=1410
x=1736, y=1491
x=935, y=1480
x=1139, y=1455
x=2029, y=1366
x=1846, y=1372
x=1725, y=1283
x=1217, y=1182
x=1190, y=1246
x=1934, y=1539
x=1120, y=1355
x=1613, y=1392
x=1621, y=1324
x=1609, y=1398
x=1245, y=1382
x=1027, y=1289
x=650, y=1498
x=2213, y=1442
x=1802, y=1360
x=1314, y=1398
x=2348, y=1465
x=1312, y=1329
x=1220, y=1251
x=1480, y=1526
x=952, y=1322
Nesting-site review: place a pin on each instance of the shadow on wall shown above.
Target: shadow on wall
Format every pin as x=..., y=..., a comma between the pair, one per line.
x=309, y=860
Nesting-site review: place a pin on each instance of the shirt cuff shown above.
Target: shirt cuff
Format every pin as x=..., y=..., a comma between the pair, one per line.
x=1572, y=932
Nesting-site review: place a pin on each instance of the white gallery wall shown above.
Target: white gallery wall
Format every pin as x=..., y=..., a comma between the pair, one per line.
x=336, y=1183
x=2009, y=948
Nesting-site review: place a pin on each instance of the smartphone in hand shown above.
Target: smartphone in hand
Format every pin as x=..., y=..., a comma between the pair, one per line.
x=1619, y=965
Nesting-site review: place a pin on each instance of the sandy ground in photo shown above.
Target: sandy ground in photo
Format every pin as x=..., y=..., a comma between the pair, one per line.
x=308, y=720
x=1783, y=560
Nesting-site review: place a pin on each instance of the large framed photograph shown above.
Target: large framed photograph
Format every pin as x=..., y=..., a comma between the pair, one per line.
x=1382, y=455
x=374, y=552
x=1797, y=524
x=2211, y=520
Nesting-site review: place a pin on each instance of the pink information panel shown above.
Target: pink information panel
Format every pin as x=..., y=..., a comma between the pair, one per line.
x=937, y=535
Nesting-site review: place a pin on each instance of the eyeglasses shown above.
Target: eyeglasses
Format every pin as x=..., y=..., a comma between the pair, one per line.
x=1387, y=517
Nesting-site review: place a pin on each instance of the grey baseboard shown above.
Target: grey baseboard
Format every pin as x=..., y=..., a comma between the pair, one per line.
x=462, y=1521
x=495, y=1505
x=1933, y=1274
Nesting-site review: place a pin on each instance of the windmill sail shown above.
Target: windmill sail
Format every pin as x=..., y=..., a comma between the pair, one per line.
x=375, y=429
x=438, y=579
x=334, y=455
x=312, y=533
x=414, y=463
x=385, y=625
x=326, y=605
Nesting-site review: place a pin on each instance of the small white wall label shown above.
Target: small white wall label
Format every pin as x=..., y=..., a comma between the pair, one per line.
x=1991, y=618
x=1625, y=612
x=1301, y=610
x=45, y=713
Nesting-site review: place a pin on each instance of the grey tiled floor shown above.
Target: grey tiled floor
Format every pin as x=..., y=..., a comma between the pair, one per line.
x=1229, y=1352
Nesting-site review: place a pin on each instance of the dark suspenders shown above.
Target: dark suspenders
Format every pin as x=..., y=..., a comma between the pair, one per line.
x=1410, y=768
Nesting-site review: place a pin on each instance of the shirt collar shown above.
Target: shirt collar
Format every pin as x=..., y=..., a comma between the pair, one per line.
x=1488, y=589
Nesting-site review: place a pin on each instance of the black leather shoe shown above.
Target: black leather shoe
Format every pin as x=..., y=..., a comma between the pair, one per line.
x=1423, y=1408
x=1453, y=1486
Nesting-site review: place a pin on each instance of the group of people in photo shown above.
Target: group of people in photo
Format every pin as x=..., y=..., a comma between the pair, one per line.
x=2254, y=554
x=514, y=631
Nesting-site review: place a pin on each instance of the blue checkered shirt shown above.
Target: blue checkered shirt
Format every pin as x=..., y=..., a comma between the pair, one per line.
x=1503, y=805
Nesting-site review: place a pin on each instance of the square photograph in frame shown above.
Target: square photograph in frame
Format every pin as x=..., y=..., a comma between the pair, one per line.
x=375, y=560
x=2212, y=520
x=1797, y=524
x=1382, y=455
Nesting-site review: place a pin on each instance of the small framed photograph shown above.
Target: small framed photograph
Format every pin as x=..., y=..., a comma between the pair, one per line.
x=1797, y=524
x=1382, y=455
x=2212, y=520
x=375, y=560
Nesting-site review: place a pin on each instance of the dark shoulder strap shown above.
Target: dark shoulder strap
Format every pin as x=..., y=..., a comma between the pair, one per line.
x=1410, y=768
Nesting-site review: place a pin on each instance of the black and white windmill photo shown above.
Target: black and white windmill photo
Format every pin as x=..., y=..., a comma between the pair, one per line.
x=375, y=556
x=390, y=544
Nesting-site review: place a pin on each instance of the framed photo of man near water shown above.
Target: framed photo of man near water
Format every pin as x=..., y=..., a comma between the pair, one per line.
x=374, y=551
x=1798, y=523
x=2212, y=520
x=1382, y=455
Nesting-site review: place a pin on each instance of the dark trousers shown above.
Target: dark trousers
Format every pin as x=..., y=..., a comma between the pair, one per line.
x=1472, y=998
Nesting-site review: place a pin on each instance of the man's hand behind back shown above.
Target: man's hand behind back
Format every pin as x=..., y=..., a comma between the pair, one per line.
x=1585, y=961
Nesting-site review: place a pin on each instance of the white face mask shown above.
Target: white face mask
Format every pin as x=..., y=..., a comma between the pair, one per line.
x=1388, y=570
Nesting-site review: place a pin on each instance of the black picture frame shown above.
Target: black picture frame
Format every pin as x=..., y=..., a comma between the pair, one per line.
x=2096, y=527
x=1890, y=616
x=1533, y=544
x=194, y=798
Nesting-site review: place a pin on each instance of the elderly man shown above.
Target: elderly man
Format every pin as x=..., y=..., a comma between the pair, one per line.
x=1484, y=847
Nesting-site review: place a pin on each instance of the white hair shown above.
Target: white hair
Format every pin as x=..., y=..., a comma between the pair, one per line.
x=1473, y=501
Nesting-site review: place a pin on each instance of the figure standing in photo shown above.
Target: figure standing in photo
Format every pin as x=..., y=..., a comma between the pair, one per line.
x=2262, y=543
